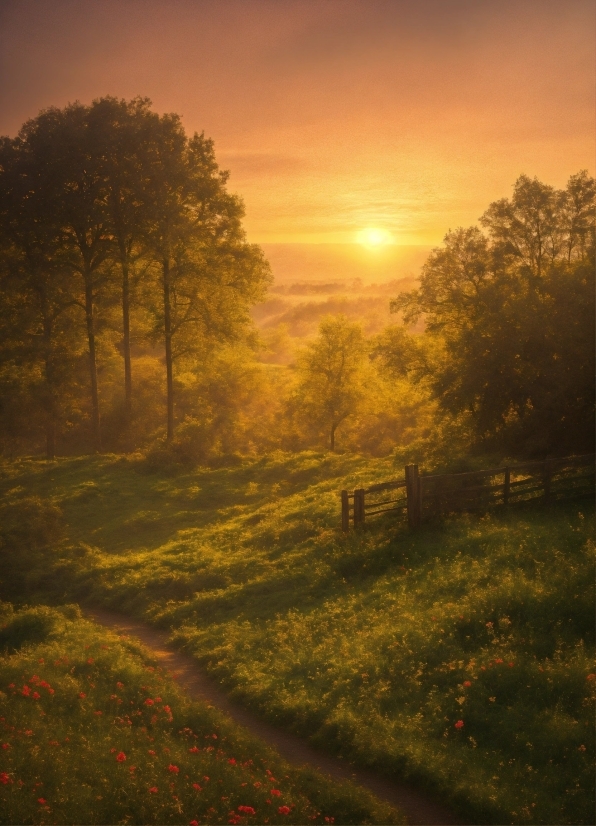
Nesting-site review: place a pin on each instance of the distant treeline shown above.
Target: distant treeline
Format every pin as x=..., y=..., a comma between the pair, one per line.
x=126, y=284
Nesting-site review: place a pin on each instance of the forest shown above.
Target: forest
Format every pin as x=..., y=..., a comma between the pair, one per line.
x=136, y=316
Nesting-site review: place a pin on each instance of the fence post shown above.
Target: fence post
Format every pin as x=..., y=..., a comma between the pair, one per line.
x=358, y=506
x=345, y=511
x=413, y=494
x=507, y=486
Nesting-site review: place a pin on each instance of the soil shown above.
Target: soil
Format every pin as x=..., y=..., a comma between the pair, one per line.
x=418, y=808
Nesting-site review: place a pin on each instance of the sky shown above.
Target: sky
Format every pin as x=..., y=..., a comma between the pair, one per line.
x=333, y=116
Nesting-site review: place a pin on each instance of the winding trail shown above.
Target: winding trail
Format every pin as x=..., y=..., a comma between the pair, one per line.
x=418, y=809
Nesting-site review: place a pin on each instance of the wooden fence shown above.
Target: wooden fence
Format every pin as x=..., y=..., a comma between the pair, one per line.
x=423, y=497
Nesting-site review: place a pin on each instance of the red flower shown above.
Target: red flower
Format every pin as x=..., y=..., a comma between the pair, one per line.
x=35, y=695
x=276, y=792
x=467, y=684
x=459, y=724
x=26, y=691
x=158, y=699
x=167, y=709
x=120, y=685
x=197, y=787
x=132, y=769
x=151, y=751
x=205, y=778
x=90, y=661
x=5, y=745
x=98, y=713
x=173, y=769
x=121, y=757
x=4, y=778
x=82, y=695
x=248, y=810
x=153, y=790
x=194, y=750
x=42, y=800
x=284, y=810
x=510, y=665
x=148, y=702
x=232, y=761
x=194, y=823
x=498, y=661
x=589, y=677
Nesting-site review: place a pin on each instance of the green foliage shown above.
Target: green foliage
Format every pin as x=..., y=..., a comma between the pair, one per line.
x=364, y=642
x=512, y=319
x=94, y=732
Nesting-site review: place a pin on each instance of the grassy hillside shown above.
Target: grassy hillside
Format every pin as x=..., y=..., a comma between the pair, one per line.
x=458, y=655
x=93, y=732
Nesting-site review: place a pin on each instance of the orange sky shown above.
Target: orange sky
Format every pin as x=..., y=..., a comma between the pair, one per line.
x=332, y=115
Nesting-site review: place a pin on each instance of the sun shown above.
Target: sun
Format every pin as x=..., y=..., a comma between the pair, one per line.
x=374, y=237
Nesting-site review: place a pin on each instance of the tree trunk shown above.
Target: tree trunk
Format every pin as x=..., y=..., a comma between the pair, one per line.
x=50, y=399
x=126, y=344
x=168, y=343
x=95, y=424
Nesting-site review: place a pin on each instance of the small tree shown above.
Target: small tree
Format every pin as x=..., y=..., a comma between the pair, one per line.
x=330, y=373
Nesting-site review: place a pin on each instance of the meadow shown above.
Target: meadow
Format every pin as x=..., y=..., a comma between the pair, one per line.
x=458, y=656
x=93, y=731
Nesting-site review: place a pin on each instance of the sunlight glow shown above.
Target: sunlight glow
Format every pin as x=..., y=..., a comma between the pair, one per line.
x=374, y=237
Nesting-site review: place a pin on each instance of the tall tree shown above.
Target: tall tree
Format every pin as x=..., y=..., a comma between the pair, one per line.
x=122, y=130
x=209, y=274
x=71, y=176
x=38, y=328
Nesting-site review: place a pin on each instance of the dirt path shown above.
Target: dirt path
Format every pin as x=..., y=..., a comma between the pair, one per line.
x=418, y=809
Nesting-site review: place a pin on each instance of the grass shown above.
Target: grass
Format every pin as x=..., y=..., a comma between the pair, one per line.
x=93, y=732
x=459, y=655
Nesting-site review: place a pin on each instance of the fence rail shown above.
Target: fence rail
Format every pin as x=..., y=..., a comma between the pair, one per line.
x=436, y=495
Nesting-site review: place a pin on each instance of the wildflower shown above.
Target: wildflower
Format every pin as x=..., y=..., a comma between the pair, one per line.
x=258, y=784
x=153, y=790
x=152, y=752
x=82, y=695
x=5, y=745
x=232, y=761
x=11, y=685
x=197, y=787
x=498, y=661
x=98, y=713
x=90, y=661
x=581, y=748
x=4, y=778
x=29, y=733
x=132, y=769
x=194, y=750
x=148, y=702
x=459, y=724
x=205, y=778
x=34, y=679
x=173, y=769
x=276, y=792
x=26, y=691
x=467, y=683
x=158, y=700
x=41, y=661
x=194, y=823
x=121, y=757
x=42, y=801
x=119, y=685
x=35, y=695
x=248, y=810
x=489, y=625
x=284, y=810
x=589, y=677
x=167, y=709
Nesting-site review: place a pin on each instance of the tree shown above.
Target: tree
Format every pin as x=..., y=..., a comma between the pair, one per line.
x=209, y=275
x=513, y=320
x=38, y=330
x=330, y=373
